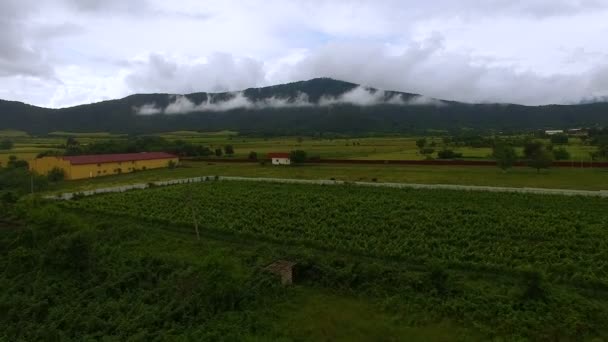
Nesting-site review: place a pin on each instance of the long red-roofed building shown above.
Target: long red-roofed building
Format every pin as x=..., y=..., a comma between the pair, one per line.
x=96, y=165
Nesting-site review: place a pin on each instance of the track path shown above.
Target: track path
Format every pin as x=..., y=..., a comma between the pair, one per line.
x=541, y=191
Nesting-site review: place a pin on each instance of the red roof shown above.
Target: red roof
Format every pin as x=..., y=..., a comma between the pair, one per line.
x=278, y=155
x=115, y=158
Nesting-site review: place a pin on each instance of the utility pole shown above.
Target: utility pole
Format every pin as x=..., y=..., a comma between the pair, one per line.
x=192, y=211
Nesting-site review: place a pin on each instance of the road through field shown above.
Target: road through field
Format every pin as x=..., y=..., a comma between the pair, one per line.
x=540, y=191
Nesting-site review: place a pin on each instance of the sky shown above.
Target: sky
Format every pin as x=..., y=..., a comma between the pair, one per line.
x=58, y=53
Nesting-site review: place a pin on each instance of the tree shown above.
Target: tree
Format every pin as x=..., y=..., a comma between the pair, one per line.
x=297, y=156
x=427, y=151
x=561, y=154
x=448, y=154
x=421, y=143
x=542, y=159
x=505, y=156
x=71, y=141
x=229, y=150
x=56, y=175
x=13, y=162
x=6, y=144
x=171, y=164
x=253, y=155
x=532, y=147
x=218, y=152
x=559, y=139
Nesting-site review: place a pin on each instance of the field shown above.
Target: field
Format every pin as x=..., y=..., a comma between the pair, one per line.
x=500, y=264
x=380, y=148
x=501, y=232
x=566, y=178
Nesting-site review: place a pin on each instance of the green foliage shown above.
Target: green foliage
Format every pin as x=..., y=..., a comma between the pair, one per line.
x=541, y=160
x=16, y=178
x=252, y=155
x=138, y=144
x=6, y=144
x=448, y=154
x=427, y=151
x=505, y=156
x=56, y=175
x=14, y=162
x=171, y=164
x=229, y=150
x=65, y=281
x=297, y=156
x=561, y=154
x=371, y=221
x=537, y=155
x=559, y=139
x=421, y=143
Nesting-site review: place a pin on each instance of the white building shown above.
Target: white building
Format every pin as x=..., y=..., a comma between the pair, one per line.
x=554, y=131
x=279, y=158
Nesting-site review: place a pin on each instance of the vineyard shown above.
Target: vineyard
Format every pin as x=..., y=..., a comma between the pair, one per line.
x=565, y=238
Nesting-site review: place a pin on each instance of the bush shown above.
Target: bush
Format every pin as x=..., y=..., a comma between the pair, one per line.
x=561, y=154
x=559, y=139
x=448, y=154
x=297, y=156
x=253, y=155
x=56, y=175
x=6, y=144
x=228, y=150
x=427, y=151
x=172, y=164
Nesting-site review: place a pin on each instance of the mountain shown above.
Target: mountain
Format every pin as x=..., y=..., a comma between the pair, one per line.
x=317, y=105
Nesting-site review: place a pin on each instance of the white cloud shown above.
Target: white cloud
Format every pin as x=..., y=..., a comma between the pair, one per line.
x=532, y=51
x=358, y=96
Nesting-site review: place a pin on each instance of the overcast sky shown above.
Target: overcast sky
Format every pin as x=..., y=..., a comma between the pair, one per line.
x=58, y=53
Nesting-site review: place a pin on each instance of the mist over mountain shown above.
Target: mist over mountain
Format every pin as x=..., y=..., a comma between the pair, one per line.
x=317, y=105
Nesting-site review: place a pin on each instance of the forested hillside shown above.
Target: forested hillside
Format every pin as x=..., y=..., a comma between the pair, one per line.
x=314, y=106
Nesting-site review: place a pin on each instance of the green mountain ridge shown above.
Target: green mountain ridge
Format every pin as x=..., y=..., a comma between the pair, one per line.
x=317, y=105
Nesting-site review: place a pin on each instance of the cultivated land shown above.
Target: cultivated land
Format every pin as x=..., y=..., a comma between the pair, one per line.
x=379, y=148
x=556, y=178
x=373, y=263
x=486, y=265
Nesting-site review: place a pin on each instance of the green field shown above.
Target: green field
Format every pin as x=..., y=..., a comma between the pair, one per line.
x=381, y=148
x=94, y=276
x=566, y=178
x=501, y=265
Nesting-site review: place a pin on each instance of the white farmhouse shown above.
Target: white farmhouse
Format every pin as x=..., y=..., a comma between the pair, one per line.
x=279, y=158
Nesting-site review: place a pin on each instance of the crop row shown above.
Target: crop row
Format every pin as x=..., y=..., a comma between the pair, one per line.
x=566, y=237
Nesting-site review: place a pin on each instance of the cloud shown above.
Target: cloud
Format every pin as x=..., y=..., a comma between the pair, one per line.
x=19, y=55
x=358, y=96
x=182, y=105
x=530, y=52
x=427, y=67
x=219, y=72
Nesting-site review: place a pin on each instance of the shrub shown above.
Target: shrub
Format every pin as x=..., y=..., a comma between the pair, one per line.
x=448, y=154
x=56, y=175
x=561, y=154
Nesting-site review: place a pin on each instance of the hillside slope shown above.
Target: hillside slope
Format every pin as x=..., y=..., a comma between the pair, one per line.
x=317, y=105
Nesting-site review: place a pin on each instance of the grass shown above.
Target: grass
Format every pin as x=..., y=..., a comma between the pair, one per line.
x=10, y=133
x=306, y=312
x=561, y=178
x=315, y=315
